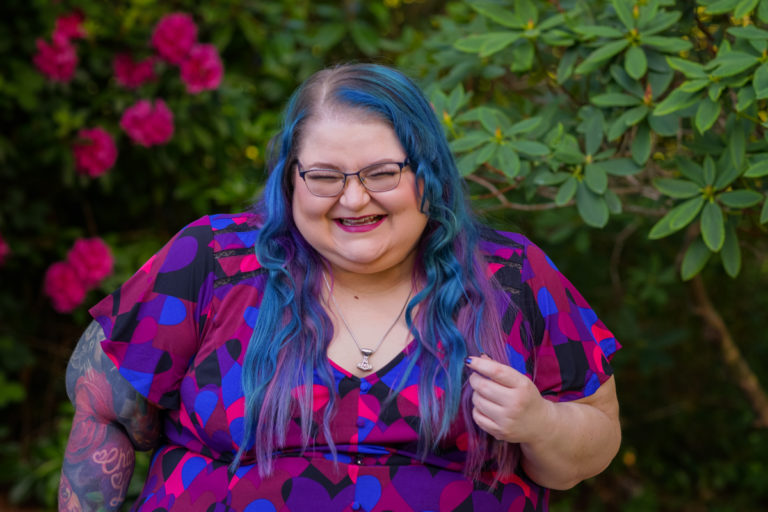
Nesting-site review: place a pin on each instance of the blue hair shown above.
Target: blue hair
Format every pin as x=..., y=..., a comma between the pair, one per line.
x=458, y=311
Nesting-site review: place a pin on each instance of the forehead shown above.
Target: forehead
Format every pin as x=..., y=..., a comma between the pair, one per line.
x=348, y=137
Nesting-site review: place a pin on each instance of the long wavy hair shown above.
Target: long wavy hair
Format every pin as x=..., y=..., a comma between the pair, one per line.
x=458, y=308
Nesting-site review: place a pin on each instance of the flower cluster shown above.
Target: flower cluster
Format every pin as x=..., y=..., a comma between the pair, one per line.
x=58, y=59
x=175, y=39
x=131, y=73
x=148, y=125
x=88, y=262
x=95, y=152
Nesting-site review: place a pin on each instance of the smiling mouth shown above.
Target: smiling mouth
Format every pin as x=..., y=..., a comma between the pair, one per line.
x=361, y=221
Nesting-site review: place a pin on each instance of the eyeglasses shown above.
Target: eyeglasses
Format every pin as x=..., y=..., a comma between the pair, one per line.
x=379, y=177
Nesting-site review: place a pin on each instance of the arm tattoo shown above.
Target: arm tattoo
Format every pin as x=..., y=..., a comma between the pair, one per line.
x=111, y=421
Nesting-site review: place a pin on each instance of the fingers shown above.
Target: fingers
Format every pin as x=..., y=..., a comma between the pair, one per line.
x=497, y=372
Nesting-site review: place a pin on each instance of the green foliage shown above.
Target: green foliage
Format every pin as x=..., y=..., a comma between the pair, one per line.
x=673, y=95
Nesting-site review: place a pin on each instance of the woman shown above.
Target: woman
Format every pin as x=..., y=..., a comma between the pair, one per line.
x=357, y=343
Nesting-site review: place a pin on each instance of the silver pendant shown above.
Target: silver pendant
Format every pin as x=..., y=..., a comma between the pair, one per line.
x=364, y=364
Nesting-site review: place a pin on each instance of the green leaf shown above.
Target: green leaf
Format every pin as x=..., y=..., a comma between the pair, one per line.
x=568, y=151
x=743, y=8
x=745, y=97
x=764, y=213
x=615, y=99
x=593, y=128
x=623, y=10
x=757, y=170
x=715, y=90
x=635, y=115
x=740, y=198
x=466, y=164
x=712, y=226
x=596, y=178
x=679, y=189
x=666, y=44
x=591, y=207
x=737, y=145
x=485, y=153
x=710, y=170
x=695, y=258
x=620, y=167
x=613, y=202
x=598, y=31
x=635, y=62
x=629, y=84
x=524, y=126
x=522, y=56
x=601, y=55
x=707, y=114
x=489, y=119
x=509, y=161
x=760, y=81
x=566, y=191
x=530, y=147
x=693, y=85
x=727, y=176
x=502, y=16
x=486, y=44
x=641, y=145
x=667, y=125
x=689, y=68
x=731, y=252
x=661, y=22
x=526, y=11
x=762, y=11
x=748, y=32
x=677, y=100
x=565, y=66
x=662, y=228
x=734, y=62
x=469, y=141
x=721, y=6
x=691, y=170
x=684, y=213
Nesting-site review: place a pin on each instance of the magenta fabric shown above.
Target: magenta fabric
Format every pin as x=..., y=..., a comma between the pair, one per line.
x=178, y=330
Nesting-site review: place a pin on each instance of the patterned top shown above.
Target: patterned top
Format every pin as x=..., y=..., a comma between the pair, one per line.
x=178, y=329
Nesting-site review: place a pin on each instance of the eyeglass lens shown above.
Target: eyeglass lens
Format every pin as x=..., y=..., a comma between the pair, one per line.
x=329, y=182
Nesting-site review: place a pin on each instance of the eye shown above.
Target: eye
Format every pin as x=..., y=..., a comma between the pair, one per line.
x=381, y=172
x=323, y=176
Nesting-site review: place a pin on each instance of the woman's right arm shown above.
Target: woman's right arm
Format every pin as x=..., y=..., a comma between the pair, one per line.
x=111, y=421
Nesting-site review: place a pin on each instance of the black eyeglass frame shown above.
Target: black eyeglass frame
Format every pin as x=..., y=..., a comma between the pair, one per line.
x=402, y=165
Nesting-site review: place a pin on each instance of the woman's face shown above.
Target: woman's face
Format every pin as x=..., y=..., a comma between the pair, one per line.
x=387, y=225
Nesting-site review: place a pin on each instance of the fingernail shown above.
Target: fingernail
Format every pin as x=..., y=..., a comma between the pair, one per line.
x=468, y=360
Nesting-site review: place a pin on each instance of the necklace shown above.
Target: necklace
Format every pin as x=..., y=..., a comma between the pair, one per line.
x=366, y=352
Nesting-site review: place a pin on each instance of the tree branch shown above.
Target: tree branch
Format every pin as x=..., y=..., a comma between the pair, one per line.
x=745, y=377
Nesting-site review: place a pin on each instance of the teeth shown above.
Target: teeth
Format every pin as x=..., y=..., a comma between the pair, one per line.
x=359, y=222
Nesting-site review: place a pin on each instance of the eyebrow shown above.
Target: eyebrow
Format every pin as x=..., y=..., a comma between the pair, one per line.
x=325, y=165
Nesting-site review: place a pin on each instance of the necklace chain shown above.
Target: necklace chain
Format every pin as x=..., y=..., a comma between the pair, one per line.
x=365, y=365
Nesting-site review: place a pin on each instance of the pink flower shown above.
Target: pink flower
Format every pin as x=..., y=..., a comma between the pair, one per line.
x=132, y=74
x=174, y=36
x=63, y=286
x=5, y=250
x=95, y=153
x=202, y=69
x=146, y=125
x=69, y=27
x=91, y=260
x=57, y=60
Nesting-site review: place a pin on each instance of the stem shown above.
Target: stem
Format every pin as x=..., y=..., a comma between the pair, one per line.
x=745, y=377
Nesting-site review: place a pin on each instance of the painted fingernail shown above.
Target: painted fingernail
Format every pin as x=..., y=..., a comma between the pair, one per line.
x=468, y=360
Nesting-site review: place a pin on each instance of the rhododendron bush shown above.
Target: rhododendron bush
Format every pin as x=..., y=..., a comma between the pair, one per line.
x=122, y=121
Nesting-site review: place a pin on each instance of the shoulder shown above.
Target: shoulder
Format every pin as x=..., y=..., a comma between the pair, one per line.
x=504, y=254
x=234, y=239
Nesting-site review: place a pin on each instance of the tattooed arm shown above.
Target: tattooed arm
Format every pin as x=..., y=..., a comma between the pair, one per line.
x=111, y=421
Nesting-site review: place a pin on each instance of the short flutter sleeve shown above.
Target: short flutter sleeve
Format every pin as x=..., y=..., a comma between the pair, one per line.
x=555, y=337
x=153, y=322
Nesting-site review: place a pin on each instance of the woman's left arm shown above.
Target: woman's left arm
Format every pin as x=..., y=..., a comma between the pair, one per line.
x=562, y=443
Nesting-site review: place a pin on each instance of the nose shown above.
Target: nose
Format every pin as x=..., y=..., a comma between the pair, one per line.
x=354, y=196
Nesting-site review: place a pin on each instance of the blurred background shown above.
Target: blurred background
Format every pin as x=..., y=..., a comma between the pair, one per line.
x=625, y=137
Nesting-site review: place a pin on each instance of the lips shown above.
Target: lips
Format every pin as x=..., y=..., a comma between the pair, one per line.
x=360, y=221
